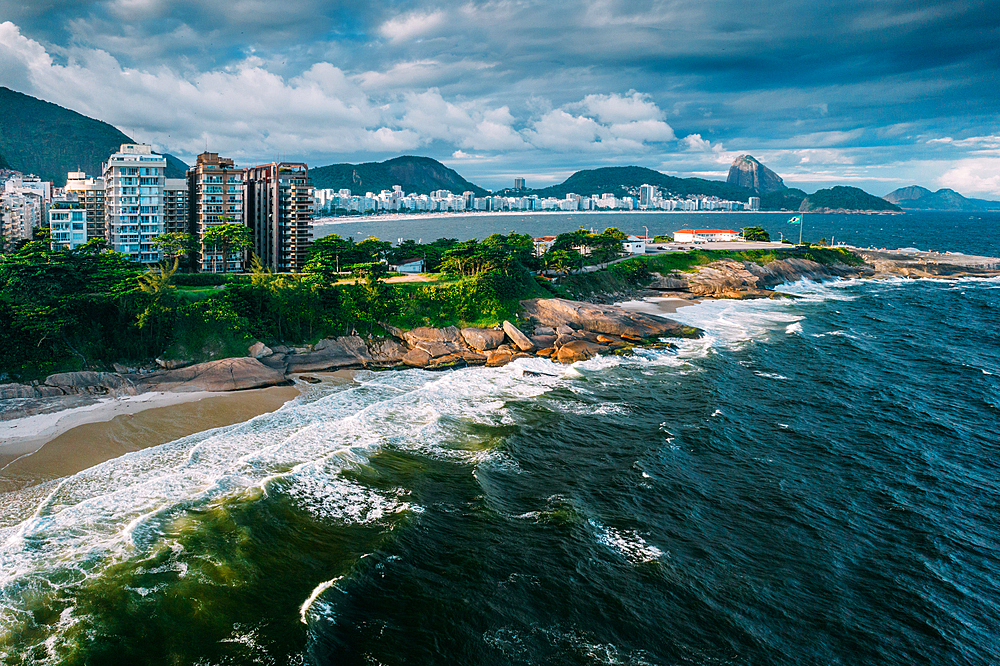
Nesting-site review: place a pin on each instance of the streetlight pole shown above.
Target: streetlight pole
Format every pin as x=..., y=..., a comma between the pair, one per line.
x=647, y=238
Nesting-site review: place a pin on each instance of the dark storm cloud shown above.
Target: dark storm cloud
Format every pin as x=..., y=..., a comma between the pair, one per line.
x=826, y=89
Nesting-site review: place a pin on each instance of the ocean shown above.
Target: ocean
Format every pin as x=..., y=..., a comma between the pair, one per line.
x=815, y=481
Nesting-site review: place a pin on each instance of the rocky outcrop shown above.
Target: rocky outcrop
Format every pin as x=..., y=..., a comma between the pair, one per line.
x=747, y=172
x=734, y=279
x=482, y=339
x=386, y=352
x=520, y=340
x=228, y=374
x=606, y=319
x=579, y=350
x=331, y=354
x=259, y=350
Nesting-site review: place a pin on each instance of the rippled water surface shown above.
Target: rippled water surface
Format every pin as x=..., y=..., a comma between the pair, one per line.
x=813, y=482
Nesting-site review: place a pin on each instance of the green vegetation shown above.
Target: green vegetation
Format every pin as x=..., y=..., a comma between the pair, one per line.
x=850, y=198
x=226, y=239
x=47, y=140
x=413, y=174
x=789, y=199
x=758, y=234
x=663, y=238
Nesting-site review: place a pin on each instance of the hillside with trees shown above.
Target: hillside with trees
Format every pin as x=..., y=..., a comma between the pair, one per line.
x=625, y=181
x=47, y=140
x=414, y=174
x=845, y=198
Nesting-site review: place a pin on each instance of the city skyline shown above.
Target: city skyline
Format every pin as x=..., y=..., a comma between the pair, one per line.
x=877, y=97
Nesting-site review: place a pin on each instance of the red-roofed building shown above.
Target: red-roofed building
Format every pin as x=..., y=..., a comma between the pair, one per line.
x=705, y=235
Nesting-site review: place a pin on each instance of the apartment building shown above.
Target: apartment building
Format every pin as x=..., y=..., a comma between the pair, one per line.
x=134, y=179
x=278, y=208
x=68, y=224
x=176, y=213
x=90, y=194
x=215, y=190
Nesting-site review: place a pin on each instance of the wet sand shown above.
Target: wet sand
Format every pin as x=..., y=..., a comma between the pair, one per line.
x=89, y=444
x=657, y=305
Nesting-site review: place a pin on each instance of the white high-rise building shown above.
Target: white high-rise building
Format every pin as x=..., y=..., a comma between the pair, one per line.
x=134, y=178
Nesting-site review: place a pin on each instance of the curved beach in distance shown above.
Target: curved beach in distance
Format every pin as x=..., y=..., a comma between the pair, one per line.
x=48, y=446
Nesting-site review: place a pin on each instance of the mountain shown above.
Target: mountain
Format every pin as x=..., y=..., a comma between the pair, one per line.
x=747, y=172
x=414, y=174
x=844, y=198
x=3, y=163
x=920, y=198
x=787, y=199
x=47, y=140
x=623, y=181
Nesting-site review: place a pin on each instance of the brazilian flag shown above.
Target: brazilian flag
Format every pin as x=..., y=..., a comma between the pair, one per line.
x=795, y=220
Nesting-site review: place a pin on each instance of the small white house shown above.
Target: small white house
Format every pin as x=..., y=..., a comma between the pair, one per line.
x=67, y=224
x=409, y=266
x=705, y=235
x=543, y=244
x=635, y=244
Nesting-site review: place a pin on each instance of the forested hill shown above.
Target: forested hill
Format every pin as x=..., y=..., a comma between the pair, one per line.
x=622, y=181
x=47, y=140
x=421, y=175
x=845, y=198
x=920, y=198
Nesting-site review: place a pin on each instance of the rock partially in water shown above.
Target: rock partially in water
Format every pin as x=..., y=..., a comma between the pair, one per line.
x=482, y=339
x=579, y=350
x=343, y=352
x=607, y=319
x=520, y=340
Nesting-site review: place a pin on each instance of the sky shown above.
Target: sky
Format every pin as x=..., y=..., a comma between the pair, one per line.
x=878, y=94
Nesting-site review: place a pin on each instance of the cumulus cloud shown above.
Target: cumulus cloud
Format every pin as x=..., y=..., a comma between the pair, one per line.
x=978, y=176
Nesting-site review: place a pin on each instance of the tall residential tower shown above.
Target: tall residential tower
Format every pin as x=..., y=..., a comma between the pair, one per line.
x=278, y=208
x=134, y=177
x=215, y=190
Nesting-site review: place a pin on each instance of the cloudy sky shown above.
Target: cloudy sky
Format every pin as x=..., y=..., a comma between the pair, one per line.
x=874, y=93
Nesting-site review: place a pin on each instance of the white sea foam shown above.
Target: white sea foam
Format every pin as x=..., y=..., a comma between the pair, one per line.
x=628, y=543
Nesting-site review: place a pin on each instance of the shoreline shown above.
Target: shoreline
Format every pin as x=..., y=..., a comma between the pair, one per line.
x=65, y=442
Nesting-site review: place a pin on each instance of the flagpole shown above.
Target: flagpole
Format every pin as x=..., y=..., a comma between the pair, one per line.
x=801, y=224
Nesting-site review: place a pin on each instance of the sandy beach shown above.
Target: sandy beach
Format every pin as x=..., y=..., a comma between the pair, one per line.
x=657, y=305
x=48, y=446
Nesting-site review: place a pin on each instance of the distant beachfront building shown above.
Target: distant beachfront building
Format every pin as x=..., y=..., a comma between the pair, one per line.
x=753, y=203
x=519, y=183
x=134, y=178
x=648, y=194
x=89, y=193
x=20, y=214
x=67, y=224
x=705, y=235
x=278, y=208
x=215, y=196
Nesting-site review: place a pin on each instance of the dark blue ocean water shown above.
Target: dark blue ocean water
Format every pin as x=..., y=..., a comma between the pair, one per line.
x=813, y=482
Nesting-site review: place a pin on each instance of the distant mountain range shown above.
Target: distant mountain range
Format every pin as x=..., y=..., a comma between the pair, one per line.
x=622, y=181
x=413, y=174
x=47, y=140
x=915, y=197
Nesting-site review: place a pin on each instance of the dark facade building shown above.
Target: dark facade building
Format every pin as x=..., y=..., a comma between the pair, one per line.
x=278, y=208
x=215, y=189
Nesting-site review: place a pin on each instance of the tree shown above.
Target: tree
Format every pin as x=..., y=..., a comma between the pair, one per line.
x=329, y=254
x=229, y=237
x=756, y=234
x=615, y=232
x=663, y=238
x=176, y=244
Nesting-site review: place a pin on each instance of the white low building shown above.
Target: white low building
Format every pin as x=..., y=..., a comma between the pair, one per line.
x=409, y=266
x=67, y=225
x=705, y=235
x=635, y=244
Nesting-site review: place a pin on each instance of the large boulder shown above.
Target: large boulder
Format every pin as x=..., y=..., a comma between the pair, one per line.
x=11, y=391
x=228, y=374
x=386, y=351
x=607, y=319
x=428, y=334
x=520, y=340
x=94, y=383
x=482, y=339
x=259, y=350
x=578, y=350
x=330, y=354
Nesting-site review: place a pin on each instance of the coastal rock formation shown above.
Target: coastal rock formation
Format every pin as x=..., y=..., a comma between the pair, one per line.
x=606, y=319
x=386, y=352
x=734, y=279
x=228, y=374
x=579, y=350
x=518, y=337
x=259, y=350
x=343, y=352
x=482, y=339
x=747, y=172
